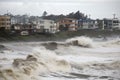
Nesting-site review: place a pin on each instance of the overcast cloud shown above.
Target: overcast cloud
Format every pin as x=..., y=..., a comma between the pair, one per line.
x=96, y=8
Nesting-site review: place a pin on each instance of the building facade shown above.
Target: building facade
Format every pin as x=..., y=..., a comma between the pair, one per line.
x=67, y=24
x=45, y=26
x=87, y=24
x=115, y=23
x=110, y=23
x=17, y=19
x=5, y=22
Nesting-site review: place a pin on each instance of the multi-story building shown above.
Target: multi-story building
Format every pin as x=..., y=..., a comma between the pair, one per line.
x=5, y=22
x=24, y=19
x=115, y=23
x=45, y=26
x=101, y=24
x=67, y=24
x=110, y=23
x=87, y=24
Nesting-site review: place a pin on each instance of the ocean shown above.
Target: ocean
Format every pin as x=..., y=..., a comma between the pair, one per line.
x=77, y=58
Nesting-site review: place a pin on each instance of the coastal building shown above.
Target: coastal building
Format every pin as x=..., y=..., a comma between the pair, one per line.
x=111, y=23
x=23, y=28
x=45, y=26
x=108, y=23
x=67, y=24
x=5, y=22
x=18, y=19
x=87, y=24
x=100, y=23
x=116, y=23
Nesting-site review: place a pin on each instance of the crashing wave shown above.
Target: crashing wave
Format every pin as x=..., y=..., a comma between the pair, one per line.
x=80, y=41
x=41, y=61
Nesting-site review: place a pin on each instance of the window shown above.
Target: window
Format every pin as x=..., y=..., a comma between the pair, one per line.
x=42, y=27
x=70, y=20
x=3, y=23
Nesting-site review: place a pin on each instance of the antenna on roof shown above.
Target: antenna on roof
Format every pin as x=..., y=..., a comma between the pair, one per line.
x=7, y=13
x=114, y=16
x=89, y=16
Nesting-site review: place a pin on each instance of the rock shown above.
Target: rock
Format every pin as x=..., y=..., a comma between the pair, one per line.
x=50, y=45
x=2, y=47
x=17, y=62
x=31, y=58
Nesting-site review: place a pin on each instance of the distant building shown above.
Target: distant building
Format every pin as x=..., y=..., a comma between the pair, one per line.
x=116, y=23
x=111, y=23
x=67, y=24
x=24, y=19
x=5, y=22
x=100, y=24
x=108, y=23
x=45, y=26
x=87, y=24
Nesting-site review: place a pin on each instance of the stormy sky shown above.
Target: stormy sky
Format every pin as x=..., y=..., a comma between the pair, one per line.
x=96, y=8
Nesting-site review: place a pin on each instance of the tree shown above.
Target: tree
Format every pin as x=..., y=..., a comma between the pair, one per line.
x=78, y=15
x=44, y=14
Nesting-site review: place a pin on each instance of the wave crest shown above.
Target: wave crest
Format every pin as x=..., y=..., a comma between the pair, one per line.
x=41, y=61
x=80, y=41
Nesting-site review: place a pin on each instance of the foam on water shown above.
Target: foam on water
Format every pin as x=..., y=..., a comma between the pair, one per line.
x=79, y=58
x=109, y=43
x=41, y=61
x=81, y=41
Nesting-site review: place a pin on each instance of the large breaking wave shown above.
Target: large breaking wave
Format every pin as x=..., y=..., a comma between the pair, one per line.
x=40, y=62
x=74, y=58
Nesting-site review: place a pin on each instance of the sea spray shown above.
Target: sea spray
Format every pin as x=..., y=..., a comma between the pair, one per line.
x=115, y=42
x=52, y=61
x=66, y=61
x=41, y=61
x=81, y=41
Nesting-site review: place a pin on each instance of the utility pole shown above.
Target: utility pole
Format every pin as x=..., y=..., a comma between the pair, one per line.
x=89, y=21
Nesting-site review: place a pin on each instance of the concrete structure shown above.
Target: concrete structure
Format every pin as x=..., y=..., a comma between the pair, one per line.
x=100, y=24
x=45, y=26
x=24, y=19
x=87, y=24
x=67, y=24
x=108, y=23
x=116, y=23
x=5, y=22
x=111, y=23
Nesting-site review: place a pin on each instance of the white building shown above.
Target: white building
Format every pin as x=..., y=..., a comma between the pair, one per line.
x=47, y=26
x=115, y=23
x=87, y=24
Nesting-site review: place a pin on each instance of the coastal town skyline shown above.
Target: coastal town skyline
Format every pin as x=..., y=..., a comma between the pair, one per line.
x=93, y=8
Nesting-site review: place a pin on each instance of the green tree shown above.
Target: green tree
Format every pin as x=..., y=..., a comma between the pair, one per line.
x=44, y=14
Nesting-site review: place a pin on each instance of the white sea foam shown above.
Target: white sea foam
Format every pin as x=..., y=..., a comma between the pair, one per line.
x=41, y=61
x=81, y=41
x=109, y=43
x=81, y=55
